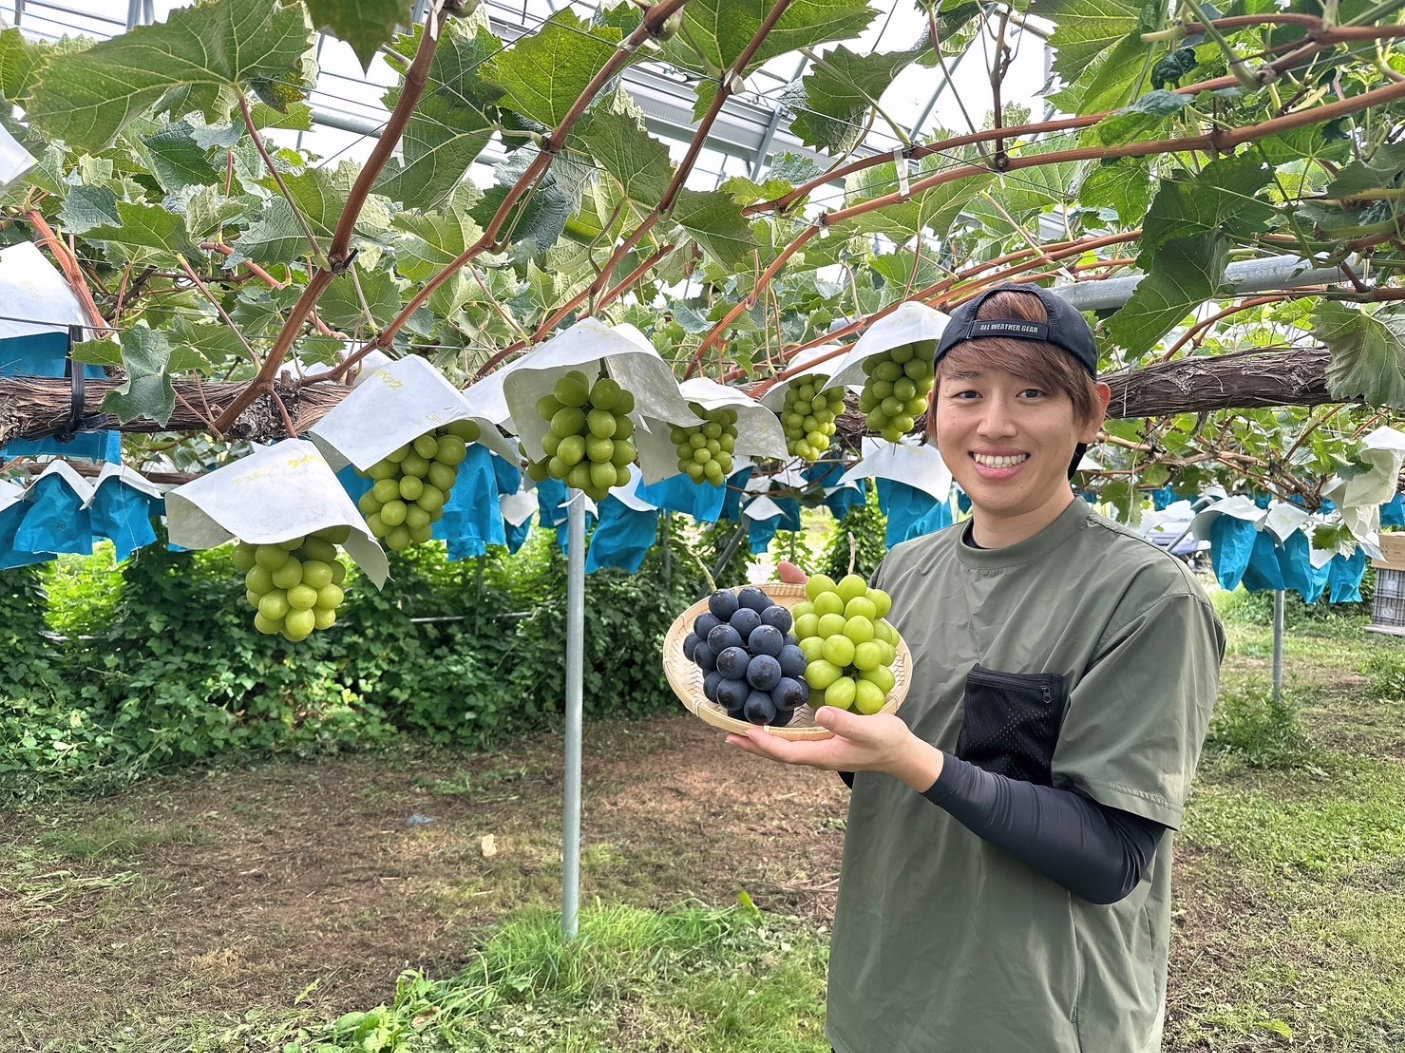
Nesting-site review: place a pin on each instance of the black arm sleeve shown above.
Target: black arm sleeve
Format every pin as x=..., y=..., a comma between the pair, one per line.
x=1096, y=852
x=848, y=778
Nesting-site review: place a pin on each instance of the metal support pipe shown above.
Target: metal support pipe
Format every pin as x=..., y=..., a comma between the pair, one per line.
x=1279, y=607
x=575, y=651
x=1247, y=276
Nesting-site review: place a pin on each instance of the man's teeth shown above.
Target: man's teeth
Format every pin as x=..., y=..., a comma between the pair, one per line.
x=986, y=461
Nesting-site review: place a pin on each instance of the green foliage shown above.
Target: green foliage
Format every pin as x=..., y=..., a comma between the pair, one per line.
x=868, y=527
x=173, y=671
x=1259, y=730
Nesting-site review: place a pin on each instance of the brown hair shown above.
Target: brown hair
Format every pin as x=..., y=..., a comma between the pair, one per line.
x=1045, y=365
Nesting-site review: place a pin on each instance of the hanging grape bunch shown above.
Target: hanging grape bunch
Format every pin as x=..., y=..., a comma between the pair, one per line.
x=589, y=445
x=849, y=647
x=705, y=451
x=752, y=666
x=808, y=416
x=896, y=389
x=294, y=587
x=412, y=485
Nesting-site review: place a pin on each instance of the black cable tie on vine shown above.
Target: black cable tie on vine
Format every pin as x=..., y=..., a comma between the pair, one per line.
x=76, y=422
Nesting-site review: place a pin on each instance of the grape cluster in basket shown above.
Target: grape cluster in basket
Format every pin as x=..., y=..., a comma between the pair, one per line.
x=754, y=668
x=849, y=646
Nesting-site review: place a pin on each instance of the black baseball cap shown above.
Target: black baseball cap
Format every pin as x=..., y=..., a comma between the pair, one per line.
x=1065, y=326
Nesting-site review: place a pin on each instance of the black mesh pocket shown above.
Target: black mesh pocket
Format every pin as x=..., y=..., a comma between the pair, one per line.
x=1011, y=723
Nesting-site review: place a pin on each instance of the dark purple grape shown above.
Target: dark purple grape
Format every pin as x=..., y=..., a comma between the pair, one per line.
x=759, y=709
x=763, y=673
x=783, y=717
x=791, y=640
x=707, y=661
x=690, y=644
x=733, y=662
x=745, y=621
x=723, y=637
x=705, y=624
x=754, y=599
x=778, y=616
x=790, y=693
x=765, y=639
x=723, y=604
x=710, y=683
x=792, y=661
x=732, y=694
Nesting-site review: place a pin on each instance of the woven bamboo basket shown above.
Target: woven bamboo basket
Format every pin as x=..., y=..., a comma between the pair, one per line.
x=686, y=678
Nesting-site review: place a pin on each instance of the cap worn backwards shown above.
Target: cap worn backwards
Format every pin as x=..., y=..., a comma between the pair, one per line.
x=1065, y=326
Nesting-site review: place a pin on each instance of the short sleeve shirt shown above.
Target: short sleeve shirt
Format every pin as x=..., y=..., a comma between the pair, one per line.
x=944, y=943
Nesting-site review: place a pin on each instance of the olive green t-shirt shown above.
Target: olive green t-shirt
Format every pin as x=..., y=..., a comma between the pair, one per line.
x=944, y=943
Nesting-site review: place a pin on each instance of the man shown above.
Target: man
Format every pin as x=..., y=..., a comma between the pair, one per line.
x=1006, y=877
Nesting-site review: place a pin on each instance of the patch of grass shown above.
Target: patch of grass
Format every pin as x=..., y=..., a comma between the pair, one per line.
x=114, y=838
x=1325, y=823
x=728, y=980
x=1257, y=729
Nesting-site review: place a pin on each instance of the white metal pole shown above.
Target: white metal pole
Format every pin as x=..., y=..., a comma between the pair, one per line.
x=1279, y=606
x=575, y=651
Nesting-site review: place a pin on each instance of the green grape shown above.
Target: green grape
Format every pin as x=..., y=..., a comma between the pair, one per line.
x=895, y=393
x=243, y=557
x=702, y=455
x=849, y=649
x=413, y=483
x=808, y=416
x=588, y=442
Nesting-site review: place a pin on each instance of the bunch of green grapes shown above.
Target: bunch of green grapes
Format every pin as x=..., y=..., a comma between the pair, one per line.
x=895, y=393
x=849, y=647
x=412, y=485
x=295, y=586
x=705, y=451
x=808, y=416
x=590, y=445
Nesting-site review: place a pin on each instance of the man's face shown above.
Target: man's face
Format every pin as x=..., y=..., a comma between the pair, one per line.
x=1007, y=442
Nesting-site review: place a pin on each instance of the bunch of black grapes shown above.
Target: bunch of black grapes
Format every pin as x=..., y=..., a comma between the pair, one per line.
x=754, y=667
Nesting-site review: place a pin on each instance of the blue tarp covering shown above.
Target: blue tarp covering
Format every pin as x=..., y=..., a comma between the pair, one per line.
x=911, y=512
x=10, y=520
x=54, y=520
x=551, y=506
x=678, y=493
x=623, y=537
x=1344, y=577
x=731, y=506
x=1231, y=543
x=44, y=355
x=1393, y=512
x=123, y=514
x=472, y=517
x=761, y=531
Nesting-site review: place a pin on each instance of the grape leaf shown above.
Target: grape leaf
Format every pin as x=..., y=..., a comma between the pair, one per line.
x=19, y=58
x=722, y=29
x=430, y=241
x=177, y=160
x=1111, y=81
x=320, y=195
x=1185, y=273
x=340, y=306
x=450, y=126
x=1368, y=353
x=543, y=74
x=715, y=221
x=1218, y=199
x=1146, y=114
x=840, y=91
x=364, y=24
x=638, y=160
x=1382, y=171
x=1123, y=185
x=147, y=391
x=87, y=207
x=1087, y=28
x=200, y=58
x=146, y=233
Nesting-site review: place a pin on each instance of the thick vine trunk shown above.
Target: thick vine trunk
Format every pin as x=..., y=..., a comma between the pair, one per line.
x=34, y=408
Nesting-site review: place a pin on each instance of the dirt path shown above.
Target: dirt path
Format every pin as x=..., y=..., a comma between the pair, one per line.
x=209, y=895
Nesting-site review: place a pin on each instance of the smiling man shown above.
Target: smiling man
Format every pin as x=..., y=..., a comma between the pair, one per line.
x=1007, y=867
